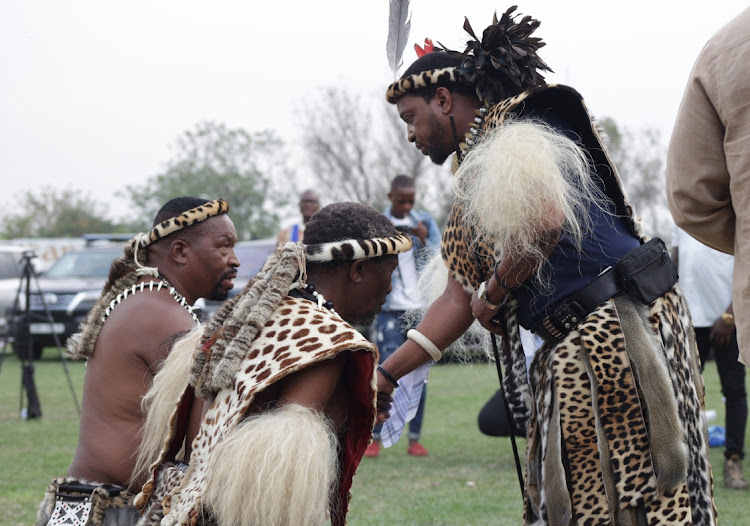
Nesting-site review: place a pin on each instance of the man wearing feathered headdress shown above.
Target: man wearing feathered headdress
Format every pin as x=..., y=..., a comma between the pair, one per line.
x=541, y=236
x=146, y=303
x=284, y=384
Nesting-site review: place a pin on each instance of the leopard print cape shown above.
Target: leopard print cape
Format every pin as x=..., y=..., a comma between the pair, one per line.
x=298, y=335
x=596, y=454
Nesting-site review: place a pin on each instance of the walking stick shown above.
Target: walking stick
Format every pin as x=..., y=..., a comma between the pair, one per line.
x=508, y=415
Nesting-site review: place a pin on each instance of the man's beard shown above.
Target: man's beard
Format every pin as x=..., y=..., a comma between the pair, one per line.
x=437, y=132
x=218, y=293
x=364, y=320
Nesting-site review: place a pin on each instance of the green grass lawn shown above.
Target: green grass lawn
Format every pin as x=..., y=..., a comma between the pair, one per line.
x=468, y=478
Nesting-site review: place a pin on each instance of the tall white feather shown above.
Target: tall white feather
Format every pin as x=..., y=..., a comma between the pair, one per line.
x=399, y=25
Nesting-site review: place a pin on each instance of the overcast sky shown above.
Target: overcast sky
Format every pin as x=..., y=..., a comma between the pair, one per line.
x=93, y=93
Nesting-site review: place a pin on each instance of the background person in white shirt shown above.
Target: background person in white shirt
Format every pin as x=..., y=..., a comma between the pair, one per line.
x=405, y=294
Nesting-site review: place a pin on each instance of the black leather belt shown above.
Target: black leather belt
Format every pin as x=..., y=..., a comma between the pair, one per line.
x=567, y=314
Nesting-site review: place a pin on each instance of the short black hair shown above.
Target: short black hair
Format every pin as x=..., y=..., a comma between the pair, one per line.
x=340, y=221
x=310, y=191
x=401, y=182
x=439, y=60
x=177, y=206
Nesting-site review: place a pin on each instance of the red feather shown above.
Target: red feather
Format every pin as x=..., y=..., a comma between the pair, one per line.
x=428, y=48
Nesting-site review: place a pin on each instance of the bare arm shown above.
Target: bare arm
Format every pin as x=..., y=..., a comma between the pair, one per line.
x=314, y=386
x=282, y=236
x=445, y=321
x=197, y=413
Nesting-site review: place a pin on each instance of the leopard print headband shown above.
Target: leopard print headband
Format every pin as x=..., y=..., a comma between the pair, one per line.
x=351, y=249
x=163, y=229
x=421, y=80
x=184, y=220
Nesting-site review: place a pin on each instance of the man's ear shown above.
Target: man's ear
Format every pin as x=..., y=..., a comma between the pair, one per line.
x=357, y=270
x=178, y=251
x=444, y=99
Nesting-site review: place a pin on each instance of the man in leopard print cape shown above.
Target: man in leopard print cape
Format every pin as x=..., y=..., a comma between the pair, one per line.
x=278, y=406
x=612, y=403
x=145, y=304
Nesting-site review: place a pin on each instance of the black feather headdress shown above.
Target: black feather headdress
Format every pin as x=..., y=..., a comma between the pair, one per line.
x=505, y=61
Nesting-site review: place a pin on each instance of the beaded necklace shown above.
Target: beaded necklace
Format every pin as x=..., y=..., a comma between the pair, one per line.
x=163, y=283
x=471, y=138
x=309, y=293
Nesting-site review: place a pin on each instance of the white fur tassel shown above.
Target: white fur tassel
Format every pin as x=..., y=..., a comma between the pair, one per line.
x=522, y=180
x=160, y=402
x=277, y=468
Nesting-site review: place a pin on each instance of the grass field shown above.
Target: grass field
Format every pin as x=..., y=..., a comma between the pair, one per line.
x=468, y=478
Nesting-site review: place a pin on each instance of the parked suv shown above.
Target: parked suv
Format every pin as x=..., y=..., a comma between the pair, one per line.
x=67, y=291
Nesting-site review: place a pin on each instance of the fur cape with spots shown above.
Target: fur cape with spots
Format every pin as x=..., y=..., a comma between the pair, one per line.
x=257, y=339
x=664, y=399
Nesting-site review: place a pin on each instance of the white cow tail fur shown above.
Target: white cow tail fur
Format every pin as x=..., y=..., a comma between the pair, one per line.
x=161, y=400
x=433, y=279
x=520, y=182
x=276, y=468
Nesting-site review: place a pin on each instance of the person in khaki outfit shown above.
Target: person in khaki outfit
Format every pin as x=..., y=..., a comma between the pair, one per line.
x=706, y=278
x=708, y=164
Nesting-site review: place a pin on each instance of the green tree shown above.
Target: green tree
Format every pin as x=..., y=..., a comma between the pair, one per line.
x=213, y=161
x=640, y=160
x=57, y=213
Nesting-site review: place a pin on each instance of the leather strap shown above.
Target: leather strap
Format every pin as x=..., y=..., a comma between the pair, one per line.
x=566, y=315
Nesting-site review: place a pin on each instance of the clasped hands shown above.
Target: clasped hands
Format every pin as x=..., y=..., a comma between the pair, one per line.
x=384, y=399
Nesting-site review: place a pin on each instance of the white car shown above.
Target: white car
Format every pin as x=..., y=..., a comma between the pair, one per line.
x=10, y=281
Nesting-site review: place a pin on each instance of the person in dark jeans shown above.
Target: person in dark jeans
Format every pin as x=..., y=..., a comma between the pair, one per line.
x=390, y=330
x=721, y=338
x=492, y=419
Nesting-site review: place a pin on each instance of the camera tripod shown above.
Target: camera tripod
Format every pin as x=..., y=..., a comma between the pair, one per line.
x=24, y=338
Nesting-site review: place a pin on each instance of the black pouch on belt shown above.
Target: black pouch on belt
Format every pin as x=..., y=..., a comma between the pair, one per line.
x=647, y=272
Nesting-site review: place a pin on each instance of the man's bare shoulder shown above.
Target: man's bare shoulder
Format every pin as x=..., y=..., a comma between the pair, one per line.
x=145, y=323
x=144, y=306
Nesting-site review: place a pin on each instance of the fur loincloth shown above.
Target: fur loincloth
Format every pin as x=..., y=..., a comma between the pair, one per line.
x=298, y=335
x=616, y=433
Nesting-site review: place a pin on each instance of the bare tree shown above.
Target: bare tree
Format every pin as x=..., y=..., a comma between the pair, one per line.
x=640, y=159
x=354, y=147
